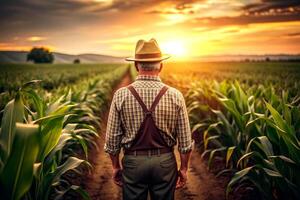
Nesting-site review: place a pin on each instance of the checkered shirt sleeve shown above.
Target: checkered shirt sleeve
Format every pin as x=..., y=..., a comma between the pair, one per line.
x=113, y=129
x=182, y=128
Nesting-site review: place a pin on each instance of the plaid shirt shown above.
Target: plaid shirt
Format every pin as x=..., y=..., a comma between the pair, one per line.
x=126, y=115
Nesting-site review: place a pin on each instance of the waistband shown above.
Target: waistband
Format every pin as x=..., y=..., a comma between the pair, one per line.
x=148, y=152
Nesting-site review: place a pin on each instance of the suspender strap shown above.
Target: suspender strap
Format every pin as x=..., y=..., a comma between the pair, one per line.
x=155, y=102
x=138, y=98
x=158, y=97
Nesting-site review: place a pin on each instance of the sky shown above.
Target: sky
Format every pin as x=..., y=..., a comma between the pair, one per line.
x=183, y=28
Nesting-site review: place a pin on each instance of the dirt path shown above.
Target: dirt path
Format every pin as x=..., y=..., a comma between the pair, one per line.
x=202, y=185
x=99, y=183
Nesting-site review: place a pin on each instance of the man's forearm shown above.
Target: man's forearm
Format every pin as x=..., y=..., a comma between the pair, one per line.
x=184, y=159
x=115, y=161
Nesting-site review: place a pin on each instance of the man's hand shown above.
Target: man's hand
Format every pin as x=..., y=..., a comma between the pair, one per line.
x=117, y=176
x=182, y=178
x=117, y=171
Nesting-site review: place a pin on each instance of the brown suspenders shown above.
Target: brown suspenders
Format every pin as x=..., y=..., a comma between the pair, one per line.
x=148, y=136
x=155, y=102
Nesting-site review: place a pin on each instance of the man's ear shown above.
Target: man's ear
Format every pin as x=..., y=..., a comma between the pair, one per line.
x=161, y=66
x=136, y=67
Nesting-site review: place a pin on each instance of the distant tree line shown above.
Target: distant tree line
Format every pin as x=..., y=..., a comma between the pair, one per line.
x=43, y=55
x=40, y=55
x=76, y=61
x=268, y=59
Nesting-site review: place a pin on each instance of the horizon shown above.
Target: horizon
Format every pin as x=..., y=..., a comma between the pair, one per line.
x=184, y=29
x=100, y=54
x=59, y=57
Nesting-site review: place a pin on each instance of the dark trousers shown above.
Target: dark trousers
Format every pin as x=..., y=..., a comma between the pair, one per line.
x=156, y=174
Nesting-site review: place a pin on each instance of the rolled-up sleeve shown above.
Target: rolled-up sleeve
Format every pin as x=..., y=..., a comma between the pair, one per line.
x=113, y=129
x=182, y=129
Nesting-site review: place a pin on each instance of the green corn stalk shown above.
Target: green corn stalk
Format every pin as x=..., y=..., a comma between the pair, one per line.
x=17, y=174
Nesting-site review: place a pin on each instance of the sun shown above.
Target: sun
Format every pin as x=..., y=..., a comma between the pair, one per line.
x=176, y=49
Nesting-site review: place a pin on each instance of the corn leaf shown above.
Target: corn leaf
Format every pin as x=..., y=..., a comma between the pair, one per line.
x=17, y=175
x=13, y=112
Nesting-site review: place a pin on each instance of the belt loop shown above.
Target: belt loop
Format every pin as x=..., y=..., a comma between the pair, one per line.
x=158, y=152
x=134, y=153
x=149, y=152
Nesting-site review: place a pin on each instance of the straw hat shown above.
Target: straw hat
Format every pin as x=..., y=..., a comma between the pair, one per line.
x=147, y=52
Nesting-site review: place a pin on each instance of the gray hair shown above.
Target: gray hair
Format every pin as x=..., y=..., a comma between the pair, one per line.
x=149, y=66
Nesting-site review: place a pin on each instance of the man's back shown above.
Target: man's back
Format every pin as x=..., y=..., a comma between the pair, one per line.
x=170, y=115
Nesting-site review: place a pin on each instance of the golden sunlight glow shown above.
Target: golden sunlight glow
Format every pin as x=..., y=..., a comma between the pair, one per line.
x=175, y=18
x=172, y=19
x=36, y=39
x=174, y=48
x=104, y=1
x=185, y=29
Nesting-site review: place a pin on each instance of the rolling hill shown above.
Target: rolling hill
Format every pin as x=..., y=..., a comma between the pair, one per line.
x=20, y=57
x=229, y=57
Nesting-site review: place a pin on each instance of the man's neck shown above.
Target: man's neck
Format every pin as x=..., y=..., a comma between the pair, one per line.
x=148, y=73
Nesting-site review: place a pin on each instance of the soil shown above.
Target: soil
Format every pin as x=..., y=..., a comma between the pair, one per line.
x=202, y=184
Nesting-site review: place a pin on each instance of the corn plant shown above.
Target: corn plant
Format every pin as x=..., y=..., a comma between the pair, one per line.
x=50, y=128
x=260, y=144
x=271, y=162
x=27, y=139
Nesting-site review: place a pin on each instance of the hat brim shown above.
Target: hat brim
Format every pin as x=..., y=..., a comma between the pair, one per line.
x=164, y=57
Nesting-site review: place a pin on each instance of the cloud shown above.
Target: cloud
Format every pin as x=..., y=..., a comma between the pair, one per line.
x=223, y=13
x=5, y=46
x=175, y=7
x=47, y=15
x=295, y=34
x=272, y=6
x=36, y=38
x=112, y=25
x=243, y=20
x=26, y=15
x=34, y=9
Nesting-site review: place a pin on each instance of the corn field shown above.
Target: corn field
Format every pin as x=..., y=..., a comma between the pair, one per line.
x=248, y=114
x=245, y=114
x=42, y=130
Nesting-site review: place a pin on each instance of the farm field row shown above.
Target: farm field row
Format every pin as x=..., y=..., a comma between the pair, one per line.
x=247, y=114
x=43, y=131
x=52, y=76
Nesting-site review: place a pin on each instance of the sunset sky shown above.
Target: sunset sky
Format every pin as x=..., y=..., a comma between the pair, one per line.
x=183, y=28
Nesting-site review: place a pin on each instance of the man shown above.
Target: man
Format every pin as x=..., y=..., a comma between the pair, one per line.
x=147, y=118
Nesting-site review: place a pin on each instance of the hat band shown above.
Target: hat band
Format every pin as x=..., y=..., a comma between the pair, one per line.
x=149, y=55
